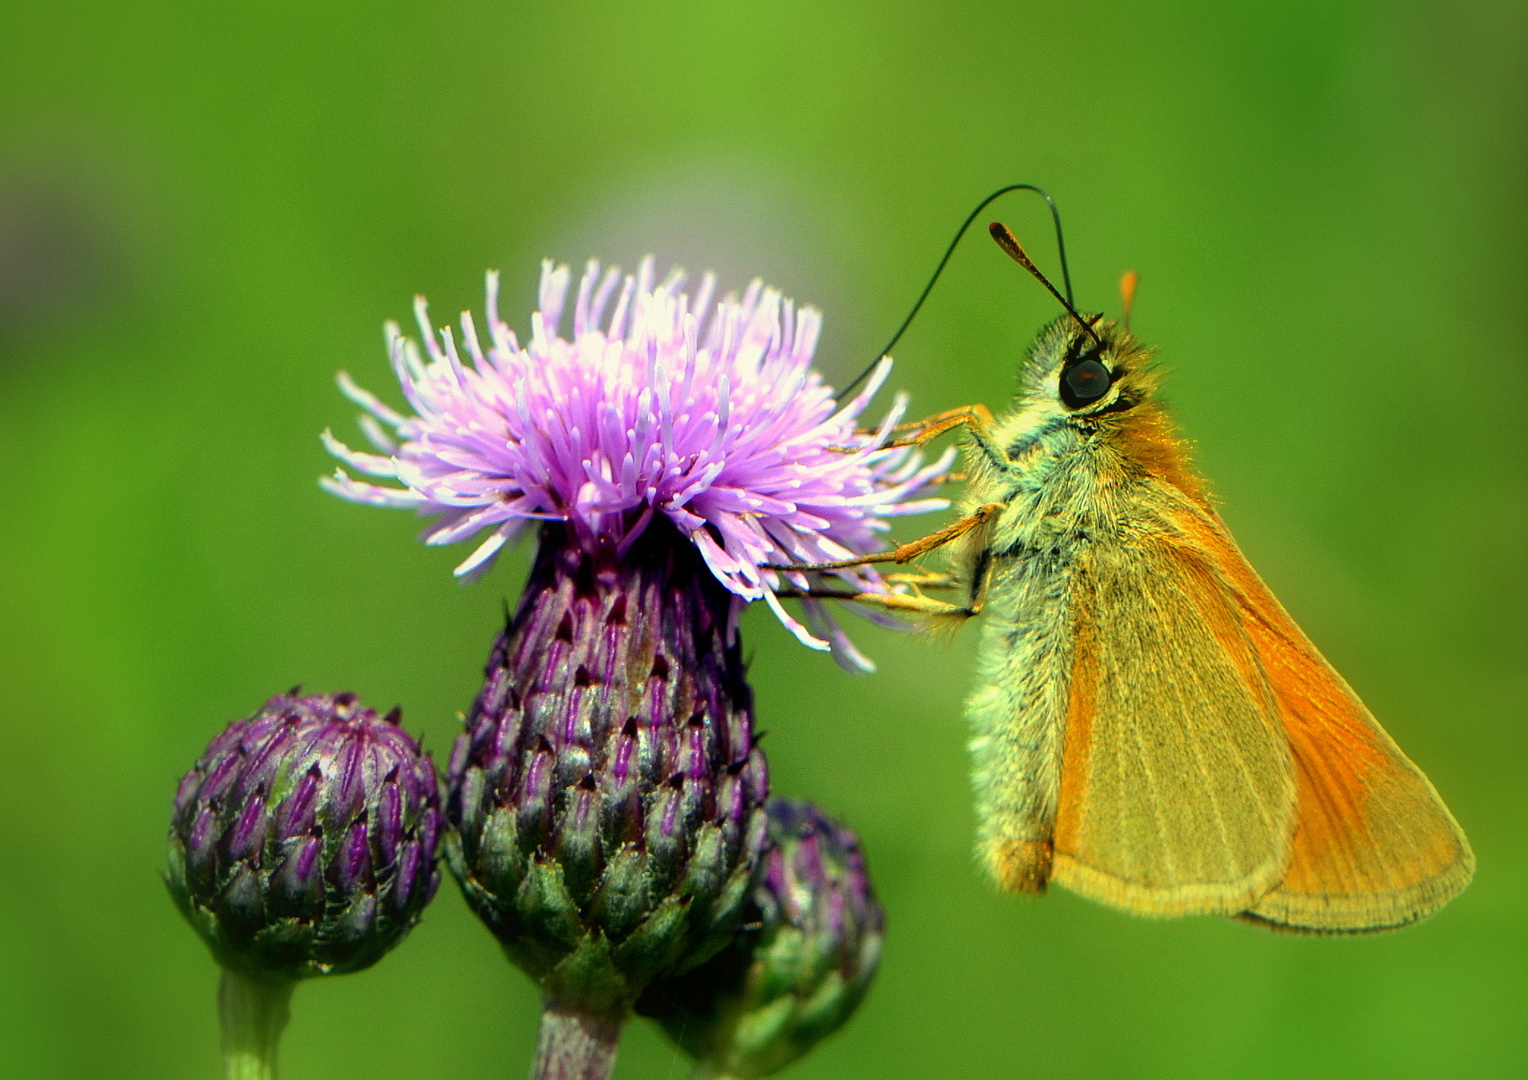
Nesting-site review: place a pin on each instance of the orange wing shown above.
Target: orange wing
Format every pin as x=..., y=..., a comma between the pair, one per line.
x=1374, y=848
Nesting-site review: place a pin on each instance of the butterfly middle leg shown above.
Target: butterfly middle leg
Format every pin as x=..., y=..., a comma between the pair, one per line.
x=915, y=602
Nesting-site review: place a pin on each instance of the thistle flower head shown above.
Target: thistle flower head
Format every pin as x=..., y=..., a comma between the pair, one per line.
x=662, y=404
x=304, y=840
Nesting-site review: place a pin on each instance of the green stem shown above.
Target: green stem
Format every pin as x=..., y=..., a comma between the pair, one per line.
x=253, y=1012
x=575, y=1045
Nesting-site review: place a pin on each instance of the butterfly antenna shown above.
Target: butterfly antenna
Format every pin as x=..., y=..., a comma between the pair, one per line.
x=1066, y=275
x=1127, y=286
x=1010, y=243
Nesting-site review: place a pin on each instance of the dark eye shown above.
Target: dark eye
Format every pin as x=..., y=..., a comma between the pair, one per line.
x=1084, y=382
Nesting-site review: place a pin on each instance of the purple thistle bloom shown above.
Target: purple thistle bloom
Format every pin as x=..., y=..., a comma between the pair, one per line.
x=662, y=403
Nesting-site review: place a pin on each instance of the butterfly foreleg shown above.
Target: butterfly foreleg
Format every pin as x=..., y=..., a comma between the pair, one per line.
x=976, y=419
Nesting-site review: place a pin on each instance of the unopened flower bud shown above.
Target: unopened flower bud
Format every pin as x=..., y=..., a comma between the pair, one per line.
x=304, y=841
x=800, y=966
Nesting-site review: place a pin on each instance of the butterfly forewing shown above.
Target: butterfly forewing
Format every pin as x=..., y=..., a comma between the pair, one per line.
x=1371, y=845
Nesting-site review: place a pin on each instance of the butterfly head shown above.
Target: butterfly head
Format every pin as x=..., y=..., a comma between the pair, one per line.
x=1082, y=369
x=1080, y=366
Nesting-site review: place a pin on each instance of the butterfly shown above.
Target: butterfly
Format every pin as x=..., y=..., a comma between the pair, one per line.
x=1151, y=729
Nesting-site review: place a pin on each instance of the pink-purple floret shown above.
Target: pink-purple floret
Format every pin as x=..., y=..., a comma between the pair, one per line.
x=662, y=403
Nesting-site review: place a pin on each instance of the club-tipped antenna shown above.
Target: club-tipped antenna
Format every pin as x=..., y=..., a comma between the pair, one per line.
x=1066, y=274
x=1010, y=243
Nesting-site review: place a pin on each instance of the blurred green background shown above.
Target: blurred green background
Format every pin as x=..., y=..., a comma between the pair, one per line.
x=207, y=209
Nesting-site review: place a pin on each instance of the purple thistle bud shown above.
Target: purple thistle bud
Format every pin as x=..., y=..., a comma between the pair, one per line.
x=798, y=969
x=285, y=838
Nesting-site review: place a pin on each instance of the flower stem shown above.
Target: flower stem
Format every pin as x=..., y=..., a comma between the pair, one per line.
x=575, y=1045
x=253, y=1012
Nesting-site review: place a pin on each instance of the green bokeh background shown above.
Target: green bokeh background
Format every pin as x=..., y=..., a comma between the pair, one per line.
x=205, y=209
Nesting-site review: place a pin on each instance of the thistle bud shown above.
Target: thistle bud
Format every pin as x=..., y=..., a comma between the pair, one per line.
x=304, y=840
x=799, y=968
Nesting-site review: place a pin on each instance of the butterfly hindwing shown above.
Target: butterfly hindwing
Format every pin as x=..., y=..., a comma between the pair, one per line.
x=1375, y=847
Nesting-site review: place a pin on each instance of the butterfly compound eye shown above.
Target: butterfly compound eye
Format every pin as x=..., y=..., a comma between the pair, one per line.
x=1084, y=382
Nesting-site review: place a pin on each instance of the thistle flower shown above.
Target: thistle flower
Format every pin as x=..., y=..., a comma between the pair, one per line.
x=607, y=796
x=711, y=419
x=801, y=967
x=303, y=842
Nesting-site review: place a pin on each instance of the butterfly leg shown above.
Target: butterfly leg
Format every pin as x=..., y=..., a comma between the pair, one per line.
x=914, y=602
x=910, y=603
x=924, y=579
x=926, y=606
x=905, y=603
x=903, y=553
x=976, y=419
